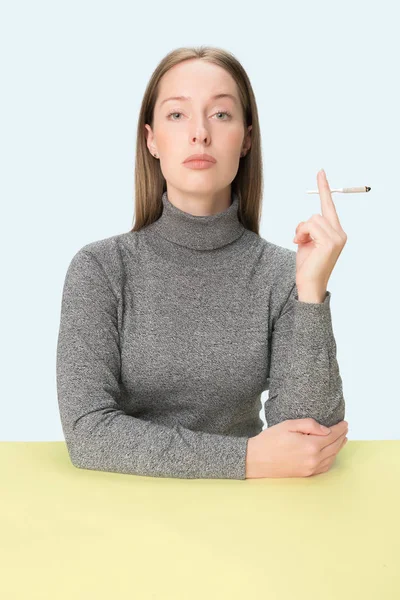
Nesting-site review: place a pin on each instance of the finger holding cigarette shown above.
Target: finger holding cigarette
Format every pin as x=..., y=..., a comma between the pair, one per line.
x=320, y=240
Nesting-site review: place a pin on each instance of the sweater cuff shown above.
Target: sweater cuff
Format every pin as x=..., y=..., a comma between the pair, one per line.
x=314, y=320
x=326, y=301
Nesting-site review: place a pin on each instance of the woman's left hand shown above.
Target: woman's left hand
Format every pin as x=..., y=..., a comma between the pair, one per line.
x=320, y=241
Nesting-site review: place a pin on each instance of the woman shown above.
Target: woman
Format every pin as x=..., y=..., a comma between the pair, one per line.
x=170, y=332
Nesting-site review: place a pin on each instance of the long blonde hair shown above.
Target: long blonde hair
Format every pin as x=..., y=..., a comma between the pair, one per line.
x=149, y=180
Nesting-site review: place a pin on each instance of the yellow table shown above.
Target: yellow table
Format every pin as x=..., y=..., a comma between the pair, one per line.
x=69, y=533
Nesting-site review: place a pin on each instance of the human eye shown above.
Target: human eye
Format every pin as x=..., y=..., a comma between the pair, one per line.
x=223, y=112
x=174, y=113
x=220, y=112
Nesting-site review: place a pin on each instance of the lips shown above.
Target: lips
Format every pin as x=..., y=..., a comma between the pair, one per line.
x=206, y=157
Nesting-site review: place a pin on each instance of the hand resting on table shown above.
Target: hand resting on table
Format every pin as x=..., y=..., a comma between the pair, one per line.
x=294, y=448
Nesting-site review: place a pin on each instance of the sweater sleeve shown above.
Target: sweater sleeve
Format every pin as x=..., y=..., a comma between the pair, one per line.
x=304, y=373
x=98, y=433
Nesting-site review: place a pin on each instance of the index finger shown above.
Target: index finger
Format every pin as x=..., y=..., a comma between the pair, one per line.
x=327, y=205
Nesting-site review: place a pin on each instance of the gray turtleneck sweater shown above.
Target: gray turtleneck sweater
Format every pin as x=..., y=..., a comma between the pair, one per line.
x=168, y=337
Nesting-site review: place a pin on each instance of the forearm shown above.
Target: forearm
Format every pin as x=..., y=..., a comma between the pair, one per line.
x=304, y=374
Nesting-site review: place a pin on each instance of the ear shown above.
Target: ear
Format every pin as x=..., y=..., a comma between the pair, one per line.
x=150, y=140
x=250, y=127
x=247, y=141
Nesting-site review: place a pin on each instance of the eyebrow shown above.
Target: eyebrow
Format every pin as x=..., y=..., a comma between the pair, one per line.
x=212, y=98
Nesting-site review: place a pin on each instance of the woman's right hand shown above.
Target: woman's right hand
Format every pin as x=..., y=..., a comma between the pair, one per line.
x=294, y=448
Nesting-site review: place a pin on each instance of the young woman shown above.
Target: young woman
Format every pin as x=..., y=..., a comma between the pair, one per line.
x=170, y=332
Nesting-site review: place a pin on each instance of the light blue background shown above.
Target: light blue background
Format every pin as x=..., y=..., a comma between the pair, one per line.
x=325, y=76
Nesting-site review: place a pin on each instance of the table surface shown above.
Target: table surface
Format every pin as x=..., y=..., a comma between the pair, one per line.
x=83, y=534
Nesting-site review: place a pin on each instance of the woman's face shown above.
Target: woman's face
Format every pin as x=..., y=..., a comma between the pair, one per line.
x=199, y=124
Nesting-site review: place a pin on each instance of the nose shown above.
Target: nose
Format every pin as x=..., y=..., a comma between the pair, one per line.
x=200, y=134
x=200, y=139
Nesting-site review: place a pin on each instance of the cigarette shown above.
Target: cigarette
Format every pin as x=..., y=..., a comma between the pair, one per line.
x=352, y=190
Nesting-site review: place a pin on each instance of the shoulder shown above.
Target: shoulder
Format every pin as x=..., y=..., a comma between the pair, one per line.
x=274, y=270
x=278, y=262
x=103, y=259
x=108, y=250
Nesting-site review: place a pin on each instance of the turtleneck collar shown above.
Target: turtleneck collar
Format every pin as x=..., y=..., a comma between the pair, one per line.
x=199, y=232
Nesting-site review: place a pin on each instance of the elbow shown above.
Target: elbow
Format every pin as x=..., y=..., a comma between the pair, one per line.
x=337, y=415
x=331, y=416
x=76, y=453
x=75, y=457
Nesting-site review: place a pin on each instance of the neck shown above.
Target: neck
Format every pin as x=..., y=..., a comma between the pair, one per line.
x=198, y=204
x=199, y=232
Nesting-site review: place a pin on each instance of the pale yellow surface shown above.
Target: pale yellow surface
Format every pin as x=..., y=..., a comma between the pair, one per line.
x=81, y=534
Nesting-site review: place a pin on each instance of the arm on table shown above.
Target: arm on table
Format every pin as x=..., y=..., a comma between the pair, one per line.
x=98, y=433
